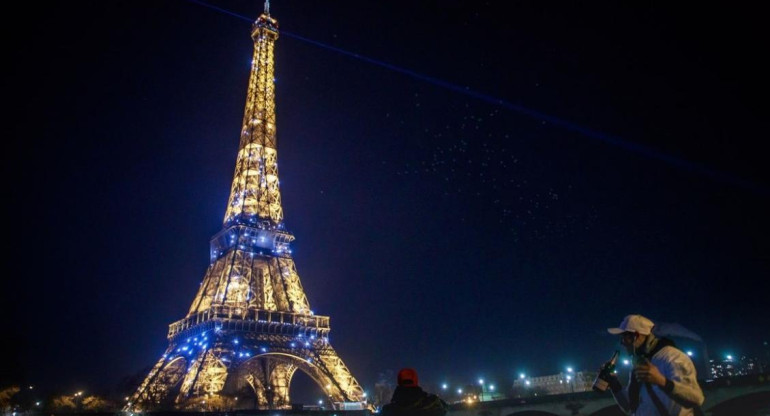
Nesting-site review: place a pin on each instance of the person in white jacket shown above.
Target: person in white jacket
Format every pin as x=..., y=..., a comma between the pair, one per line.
x=663, y=382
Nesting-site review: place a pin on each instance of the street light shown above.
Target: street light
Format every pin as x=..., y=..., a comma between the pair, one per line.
x=77, y=399
x=481, y=383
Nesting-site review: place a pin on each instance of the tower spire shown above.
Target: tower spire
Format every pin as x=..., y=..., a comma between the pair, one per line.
x=255, y=197
x=267, y=7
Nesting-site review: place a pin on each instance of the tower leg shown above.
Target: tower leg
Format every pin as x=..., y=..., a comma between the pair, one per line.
x=160, y=385
x=270, y=379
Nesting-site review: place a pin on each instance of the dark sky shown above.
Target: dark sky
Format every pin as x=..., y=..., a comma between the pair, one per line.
x=476, y=188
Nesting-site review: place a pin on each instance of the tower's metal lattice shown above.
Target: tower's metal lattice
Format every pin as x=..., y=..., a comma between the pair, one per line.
x=250, y=327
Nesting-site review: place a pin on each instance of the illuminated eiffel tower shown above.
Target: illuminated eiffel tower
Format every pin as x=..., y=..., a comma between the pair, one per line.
x=250, y=327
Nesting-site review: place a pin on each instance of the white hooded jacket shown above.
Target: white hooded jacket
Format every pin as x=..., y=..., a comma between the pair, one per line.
x=680, y=394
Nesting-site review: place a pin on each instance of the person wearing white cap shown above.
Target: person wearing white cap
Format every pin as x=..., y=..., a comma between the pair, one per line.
x=663, y=382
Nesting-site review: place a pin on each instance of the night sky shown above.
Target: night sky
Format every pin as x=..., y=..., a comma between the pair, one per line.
x=476, y=188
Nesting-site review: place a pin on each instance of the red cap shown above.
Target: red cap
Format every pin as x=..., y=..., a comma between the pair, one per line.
x=407, y=377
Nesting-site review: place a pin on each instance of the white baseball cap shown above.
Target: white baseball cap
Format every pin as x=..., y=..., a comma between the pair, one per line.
x=633, y=323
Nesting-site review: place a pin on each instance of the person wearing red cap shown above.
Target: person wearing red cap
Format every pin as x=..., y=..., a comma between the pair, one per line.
x=409, y=399
x=663, y=381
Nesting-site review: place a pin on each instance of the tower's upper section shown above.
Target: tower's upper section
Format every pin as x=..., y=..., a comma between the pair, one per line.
x=255, y=198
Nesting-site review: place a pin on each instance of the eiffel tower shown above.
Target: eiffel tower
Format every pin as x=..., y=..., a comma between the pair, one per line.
x=250, y=327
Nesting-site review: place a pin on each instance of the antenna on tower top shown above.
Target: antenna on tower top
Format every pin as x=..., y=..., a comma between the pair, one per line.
x=267, y=7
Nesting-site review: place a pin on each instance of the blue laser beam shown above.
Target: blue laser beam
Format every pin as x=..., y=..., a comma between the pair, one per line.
x=594, y=134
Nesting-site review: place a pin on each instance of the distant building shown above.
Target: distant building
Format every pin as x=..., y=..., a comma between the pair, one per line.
x=349, y=405
x=731, y=366
x=561, y=383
